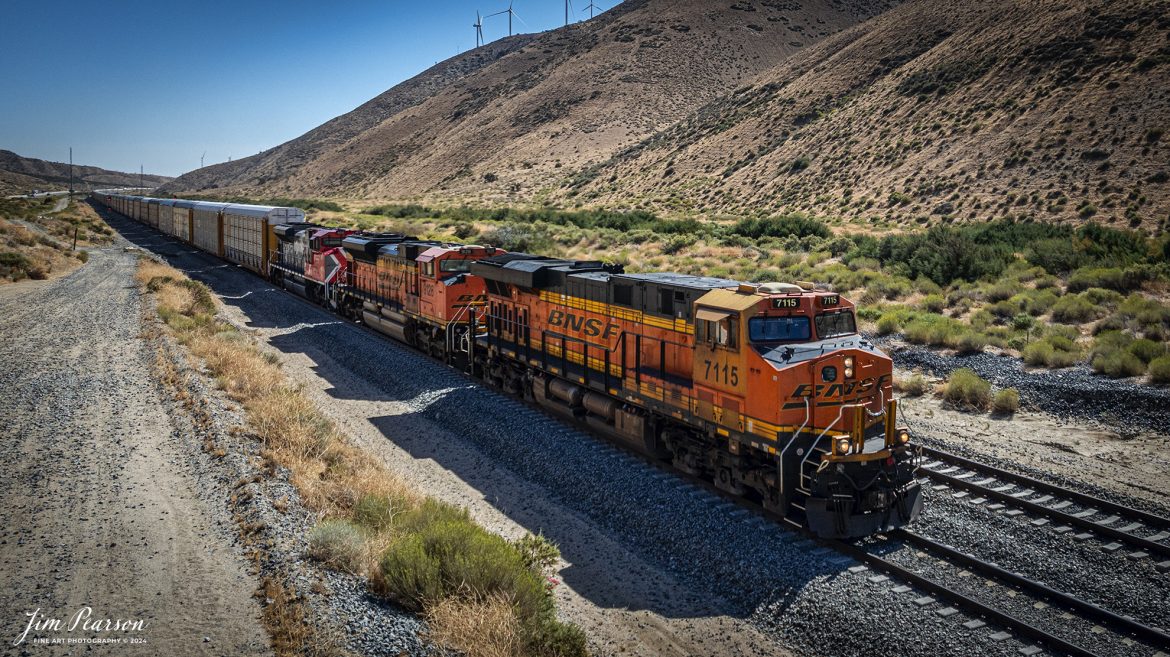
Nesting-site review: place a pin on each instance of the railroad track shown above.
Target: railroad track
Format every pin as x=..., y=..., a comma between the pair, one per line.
x=984, y=612
x=1065, y=510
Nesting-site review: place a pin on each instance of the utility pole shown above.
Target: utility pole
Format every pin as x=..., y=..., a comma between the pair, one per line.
x=140, y=185
x=71, y=171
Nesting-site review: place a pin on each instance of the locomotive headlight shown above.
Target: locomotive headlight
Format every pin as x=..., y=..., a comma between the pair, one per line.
x=829, y=373
x=842, y=445
x=849, y=367
x=903, y=437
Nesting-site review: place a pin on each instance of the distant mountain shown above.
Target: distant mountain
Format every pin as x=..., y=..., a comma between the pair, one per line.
x=19, y=175
x=933, y=111
x=510, y=120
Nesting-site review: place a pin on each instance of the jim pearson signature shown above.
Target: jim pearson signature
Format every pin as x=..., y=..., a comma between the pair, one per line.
x=81, y=619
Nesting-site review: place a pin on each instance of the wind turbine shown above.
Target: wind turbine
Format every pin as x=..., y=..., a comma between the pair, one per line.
x=510, y=14
x=568, y=10
x=478, y=25
x=590, y=8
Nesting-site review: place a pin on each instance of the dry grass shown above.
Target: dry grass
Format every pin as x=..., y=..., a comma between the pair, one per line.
x=477, y=628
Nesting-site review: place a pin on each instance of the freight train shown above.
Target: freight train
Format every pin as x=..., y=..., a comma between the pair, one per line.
x=765, y=390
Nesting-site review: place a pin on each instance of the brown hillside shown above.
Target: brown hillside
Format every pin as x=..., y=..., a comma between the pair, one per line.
x=932, y=111
x=530, y=109
x=19, y=175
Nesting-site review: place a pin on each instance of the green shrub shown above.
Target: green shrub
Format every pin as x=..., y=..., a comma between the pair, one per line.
x=781, y=226
x=1147, y=350
x=1038, y=354
x=914, y=386
x=934, y=303
x=1002, y=290
x=338, y=543
x=1006, y=401
x=1075, y=310
x=888, y=324
x=1103, y=277
x=1118, y=364
x=967, y=342
x=1160, y=370
x=966, y=388
x=1037, y=302
x=444, y=553
x=890, y=288
x=540, y=554
x=374, y=512
x=1102, y=297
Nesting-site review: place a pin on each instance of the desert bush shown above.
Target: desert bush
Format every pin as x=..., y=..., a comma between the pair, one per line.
x=913, y=386
x=934, y=303
x=1037, y=302
x=888, y=323
x=1102, y=297
x=374, y=512
x=540, y=554
x=1104, y=277
x=1002, y=290
x=443, y=551
x=1075, y=309
x=781, y=226
x=965, y=388
x=967, y=342
x=1111, y=356
x=337, y=543
x=887, y=287
x=1118, y=364
x=1160, y=370
x=1006, y=401
x=1147, y=350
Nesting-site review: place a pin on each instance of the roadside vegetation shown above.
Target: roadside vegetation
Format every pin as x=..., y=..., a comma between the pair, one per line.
x=36, y=242
x=482, y=595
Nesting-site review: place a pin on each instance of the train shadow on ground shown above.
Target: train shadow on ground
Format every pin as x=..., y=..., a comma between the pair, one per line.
x=525, y=488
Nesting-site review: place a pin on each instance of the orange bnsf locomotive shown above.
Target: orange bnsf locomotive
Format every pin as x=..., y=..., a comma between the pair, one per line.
x=766, y=390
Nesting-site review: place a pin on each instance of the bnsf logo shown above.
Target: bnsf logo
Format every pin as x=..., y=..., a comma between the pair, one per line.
x=592, y=327
x=839, y=389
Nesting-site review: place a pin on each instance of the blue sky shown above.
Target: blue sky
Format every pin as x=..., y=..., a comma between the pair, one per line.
x=128, y=82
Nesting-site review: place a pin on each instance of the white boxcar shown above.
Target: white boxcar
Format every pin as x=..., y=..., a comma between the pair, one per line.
x=181, y=220
x=246, y=234
x=166, y=210
x=208, y=227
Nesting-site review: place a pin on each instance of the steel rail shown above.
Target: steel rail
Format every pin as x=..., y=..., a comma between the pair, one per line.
x=978, y=608
x=1140, y=542
x=1159, y=638
x=1080, y=498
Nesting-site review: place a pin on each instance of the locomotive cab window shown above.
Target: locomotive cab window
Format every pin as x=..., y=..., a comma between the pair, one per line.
x=832, y=325
x=428, y=268
x=454, y=266
x=793, y=328
x=717, y=328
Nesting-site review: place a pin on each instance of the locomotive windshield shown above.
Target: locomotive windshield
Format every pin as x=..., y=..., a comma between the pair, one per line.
x=462, y=266
x=779, y=329
x=831, y=325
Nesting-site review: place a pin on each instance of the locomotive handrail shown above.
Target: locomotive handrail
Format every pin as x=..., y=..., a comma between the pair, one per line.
x=795, y=434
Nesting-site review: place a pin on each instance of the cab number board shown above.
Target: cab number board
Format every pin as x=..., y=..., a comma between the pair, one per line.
x=830, y=300
x=786, y=302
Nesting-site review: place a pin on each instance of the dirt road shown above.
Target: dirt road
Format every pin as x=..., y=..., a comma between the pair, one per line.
x=98, y=509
